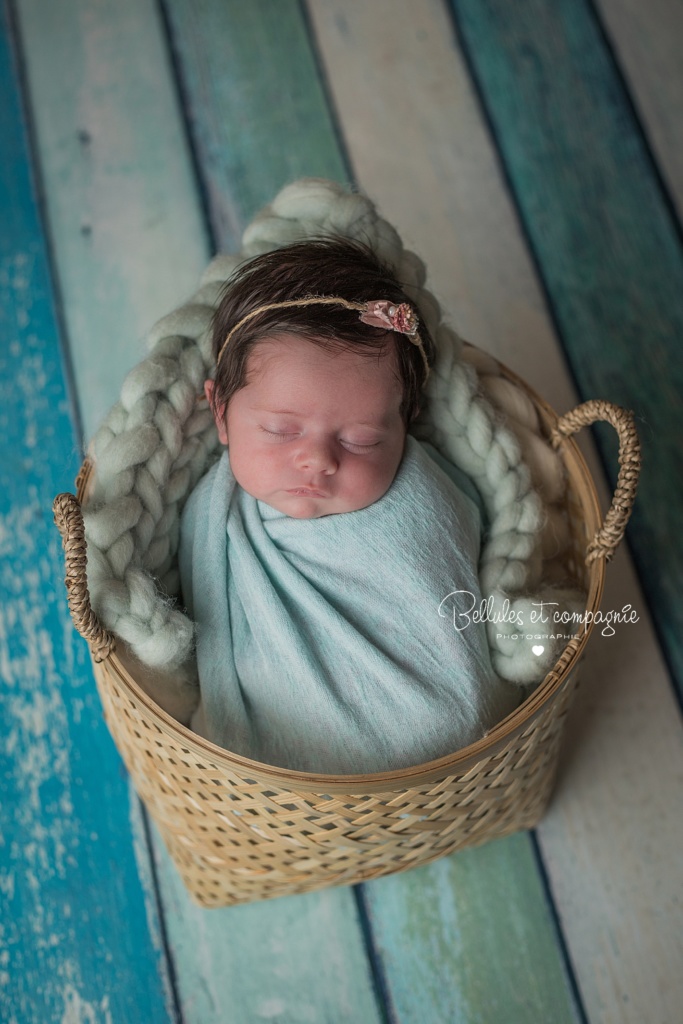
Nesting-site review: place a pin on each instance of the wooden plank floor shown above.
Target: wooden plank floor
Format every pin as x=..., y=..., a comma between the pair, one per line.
x=527, y=153
x=69, y=861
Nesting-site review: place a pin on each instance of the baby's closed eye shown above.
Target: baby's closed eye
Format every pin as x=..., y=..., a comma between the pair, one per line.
x=277, y=433
x=352, y=446
x=282, y=435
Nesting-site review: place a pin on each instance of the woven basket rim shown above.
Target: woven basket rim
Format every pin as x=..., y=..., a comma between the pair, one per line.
x=460, y=761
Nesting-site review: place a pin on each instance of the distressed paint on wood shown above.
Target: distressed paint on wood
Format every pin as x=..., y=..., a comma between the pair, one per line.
x=610, y=254
x=295, y=960
x=647, y=43
x=79, y=938
x=418, y=146
x=447, y=957
x=612, y=838
x=113, y=155
x=256, y=107
x=615, y=793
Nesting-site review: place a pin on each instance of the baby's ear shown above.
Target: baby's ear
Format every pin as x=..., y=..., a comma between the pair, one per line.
x=218, y=414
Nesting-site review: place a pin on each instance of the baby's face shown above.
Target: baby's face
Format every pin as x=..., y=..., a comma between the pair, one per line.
x=315, y=432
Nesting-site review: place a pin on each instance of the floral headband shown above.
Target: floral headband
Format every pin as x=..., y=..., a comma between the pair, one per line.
x=399, y=317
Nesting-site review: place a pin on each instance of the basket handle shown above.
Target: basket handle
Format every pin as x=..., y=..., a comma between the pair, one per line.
x=69, y=520
x=608, y=537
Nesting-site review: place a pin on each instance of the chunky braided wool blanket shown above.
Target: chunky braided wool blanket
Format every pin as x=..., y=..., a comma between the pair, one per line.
x=159, y=439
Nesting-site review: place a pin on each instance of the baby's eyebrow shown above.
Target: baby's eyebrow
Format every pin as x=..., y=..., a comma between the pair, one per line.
x=378, y=424
x=384, y=422
x=277, y=412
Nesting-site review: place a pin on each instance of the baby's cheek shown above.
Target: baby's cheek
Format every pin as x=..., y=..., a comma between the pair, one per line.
x=375, y=480
x=248, y=466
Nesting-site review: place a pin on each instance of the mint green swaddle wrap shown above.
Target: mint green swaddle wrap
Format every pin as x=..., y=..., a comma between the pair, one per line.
x=323, y=644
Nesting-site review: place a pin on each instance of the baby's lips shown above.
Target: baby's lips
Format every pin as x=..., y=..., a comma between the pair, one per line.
x=313, y=490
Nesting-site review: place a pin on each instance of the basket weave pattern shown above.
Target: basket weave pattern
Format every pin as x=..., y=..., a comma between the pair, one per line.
x=235, y=839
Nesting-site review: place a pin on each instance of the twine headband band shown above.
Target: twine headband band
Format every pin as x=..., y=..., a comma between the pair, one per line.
x=399, y=317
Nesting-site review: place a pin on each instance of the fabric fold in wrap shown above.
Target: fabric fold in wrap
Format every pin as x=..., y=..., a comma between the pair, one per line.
x=329, y=645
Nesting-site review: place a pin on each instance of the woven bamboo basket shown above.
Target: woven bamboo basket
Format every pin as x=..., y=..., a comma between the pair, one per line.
x=238, y=830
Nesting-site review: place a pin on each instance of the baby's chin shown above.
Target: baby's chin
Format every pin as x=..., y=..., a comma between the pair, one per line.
x=301, y=506
x=307, y=515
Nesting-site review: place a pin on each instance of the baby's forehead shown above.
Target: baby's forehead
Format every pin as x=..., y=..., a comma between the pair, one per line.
x=275, y=354
x=282, y=372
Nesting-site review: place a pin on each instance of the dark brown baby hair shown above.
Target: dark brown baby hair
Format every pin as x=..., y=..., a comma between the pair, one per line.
x=332, y=266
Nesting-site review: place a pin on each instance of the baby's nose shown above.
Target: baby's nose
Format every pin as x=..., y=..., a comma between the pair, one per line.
x=318, y=457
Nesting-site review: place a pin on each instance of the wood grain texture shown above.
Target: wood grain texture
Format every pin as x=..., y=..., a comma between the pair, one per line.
x=622, y=765
x=256, y=107
x=447, y=957
x=610, y=254
x=113, y=156
x=79, y=938
x=418, y=146
x=647, y=43
x=612, y=838
x=294, y=960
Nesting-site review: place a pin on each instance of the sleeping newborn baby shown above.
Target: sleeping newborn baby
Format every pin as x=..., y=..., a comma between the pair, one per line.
x=317, y=555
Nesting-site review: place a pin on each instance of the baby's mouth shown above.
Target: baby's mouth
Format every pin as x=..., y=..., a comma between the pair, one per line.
x=307, y=491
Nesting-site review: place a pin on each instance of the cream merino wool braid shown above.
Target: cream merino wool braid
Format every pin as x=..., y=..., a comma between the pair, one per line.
x=158, y=440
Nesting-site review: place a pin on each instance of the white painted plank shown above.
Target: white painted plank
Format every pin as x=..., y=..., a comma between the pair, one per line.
x=113, y=155
x=612, y=838
x=647, y=39
x=419, y=145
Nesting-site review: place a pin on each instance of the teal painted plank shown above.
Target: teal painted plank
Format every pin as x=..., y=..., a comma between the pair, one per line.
x=127, y=248
x=294, y=960
x=256, y=108
x=607, y=246
x=447, y=957
x=80, y=938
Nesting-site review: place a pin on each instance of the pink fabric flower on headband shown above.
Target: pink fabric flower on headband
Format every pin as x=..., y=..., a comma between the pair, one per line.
x=401, y=318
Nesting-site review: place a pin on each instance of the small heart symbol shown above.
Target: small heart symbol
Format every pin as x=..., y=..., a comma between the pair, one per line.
x=538, y=649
